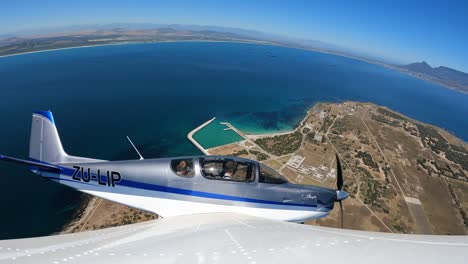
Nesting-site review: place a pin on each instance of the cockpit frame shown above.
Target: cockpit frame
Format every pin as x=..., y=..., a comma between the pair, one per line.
x=253, y=169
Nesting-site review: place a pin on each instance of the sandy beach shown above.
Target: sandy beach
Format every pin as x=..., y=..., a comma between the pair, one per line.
x=77, y=47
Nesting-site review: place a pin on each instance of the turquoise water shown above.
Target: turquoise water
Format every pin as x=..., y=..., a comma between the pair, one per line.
x=215, y=134
x=157, y=93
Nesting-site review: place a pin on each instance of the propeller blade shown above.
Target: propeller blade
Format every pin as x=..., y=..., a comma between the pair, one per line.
x=339, y=174
x=341, y=211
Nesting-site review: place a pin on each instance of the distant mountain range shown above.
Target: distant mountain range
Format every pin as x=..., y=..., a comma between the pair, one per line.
x=442, y=75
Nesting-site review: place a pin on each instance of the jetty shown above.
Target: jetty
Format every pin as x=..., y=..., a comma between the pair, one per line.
x=194, y=142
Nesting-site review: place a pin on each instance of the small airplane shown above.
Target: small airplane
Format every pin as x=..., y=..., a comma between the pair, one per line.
x=181, y=185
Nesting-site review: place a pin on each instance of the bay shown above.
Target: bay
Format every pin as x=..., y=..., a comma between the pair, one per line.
x=156, y=93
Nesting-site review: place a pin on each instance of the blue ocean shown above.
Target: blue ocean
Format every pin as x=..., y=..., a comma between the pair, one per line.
x=156, y=93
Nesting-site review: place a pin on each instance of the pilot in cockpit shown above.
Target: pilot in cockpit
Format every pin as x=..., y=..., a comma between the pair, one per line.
x=230, y=168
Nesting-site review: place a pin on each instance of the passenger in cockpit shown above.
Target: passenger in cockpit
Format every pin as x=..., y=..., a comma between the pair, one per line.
x=230, y=168
x=181, y=168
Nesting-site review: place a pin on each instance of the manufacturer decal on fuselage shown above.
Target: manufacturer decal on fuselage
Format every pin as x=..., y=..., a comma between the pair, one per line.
x=107, y=178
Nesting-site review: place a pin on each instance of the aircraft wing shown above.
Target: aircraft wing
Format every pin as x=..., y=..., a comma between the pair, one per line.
x=233, y=238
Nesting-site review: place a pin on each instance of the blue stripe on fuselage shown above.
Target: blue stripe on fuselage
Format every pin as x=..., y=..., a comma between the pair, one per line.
x=153, y=187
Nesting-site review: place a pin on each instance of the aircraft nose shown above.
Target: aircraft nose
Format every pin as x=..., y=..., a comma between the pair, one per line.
x=341, y=195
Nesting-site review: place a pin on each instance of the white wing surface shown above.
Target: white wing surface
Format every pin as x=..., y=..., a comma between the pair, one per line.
x=233, y=238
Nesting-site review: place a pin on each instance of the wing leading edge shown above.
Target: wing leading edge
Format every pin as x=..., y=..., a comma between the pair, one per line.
x=233, y=238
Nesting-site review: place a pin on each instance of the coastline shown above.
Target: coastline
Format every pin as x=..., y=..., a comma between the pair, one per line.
x=66, y=48
x=89, y=218
x=290, y=121
x=80, y=215
x=293, y=129
x=258, y=42
x=138, y=42
x=421, y=78
x=255, y=136
x=97, y=213
x=393, y=142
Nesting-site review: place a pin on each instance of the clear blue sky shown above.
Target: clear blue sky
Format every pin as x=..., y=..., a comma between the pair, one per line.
x=406, y=31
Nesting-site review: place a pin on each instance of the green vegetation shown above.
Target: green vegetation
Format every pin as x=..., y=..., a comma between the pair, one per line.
x=398, y=225
x=387, y=121
x=458, y=148
x=327, y=121
x=310, y=137
x=443, y=168
x=457, y=157
x=429, y=170
x=370, y=188
x=242, y=152
x=281, y=144
x=147, y=215
x=130, y=217
x=305, y=130
x=412, y=130
x=432, y=139
x=344, y=124
x=341, y=144
x=367, y=159
x=440, y=169
x=458, y=205
x=391, y=114
x=260, y=155
x=363, y=138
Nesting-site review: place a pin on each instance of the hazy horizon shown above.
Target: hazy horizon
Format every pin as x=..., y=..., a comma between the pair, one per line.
x=398, y=31
x=77, y=28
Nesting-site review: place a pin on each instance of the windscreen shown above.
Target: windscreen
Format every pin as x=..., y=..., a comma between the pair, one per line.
x=268, y=175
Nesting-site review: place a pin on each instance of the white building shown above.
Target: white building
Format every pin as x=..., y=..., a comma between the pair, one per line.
x=318, y=137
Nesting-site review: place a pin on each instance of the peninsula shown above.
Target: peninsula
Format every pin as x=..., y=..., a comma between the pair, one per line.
x=404, y=176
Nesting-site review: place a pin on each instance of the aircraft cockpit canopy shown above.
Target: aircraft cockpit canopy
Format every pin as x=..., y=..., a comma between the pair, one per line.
x=268, y=175
x=183, y=167
x=227, y=169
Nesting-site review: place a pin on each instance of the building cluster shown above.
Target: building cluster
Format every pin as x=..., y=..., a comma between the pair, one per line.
x=322, y=114
x=349, y=108
x=320, y=173
x=318, y=136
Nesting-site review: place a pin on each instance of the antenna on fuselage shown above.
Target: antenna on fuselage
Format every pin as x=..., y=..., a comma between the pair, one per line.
x=138, y=152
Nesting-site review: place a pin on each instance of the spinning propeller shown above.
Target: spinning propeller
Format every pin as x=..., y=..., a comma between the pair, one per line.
x=340, y=195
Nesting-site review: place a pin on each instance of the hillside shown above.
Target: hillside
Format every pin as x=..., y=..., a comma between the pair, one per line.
x=443, y=75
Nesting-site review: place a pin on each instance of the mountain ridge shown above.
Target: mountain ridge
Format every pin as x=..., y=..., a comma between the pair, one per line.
x=446, y=76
